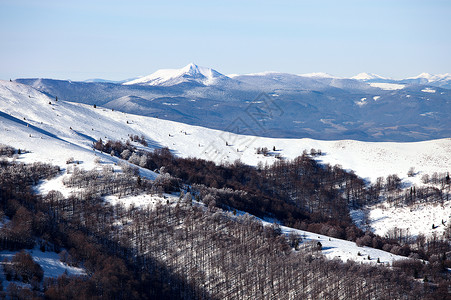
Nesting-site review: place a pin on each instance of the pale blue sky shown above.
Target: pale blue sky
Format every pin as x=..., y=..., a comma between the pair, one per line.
x=121, y=39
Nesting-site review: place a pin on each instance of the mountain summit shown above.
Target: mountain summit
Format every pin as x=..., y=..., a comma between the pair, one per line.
x=191, y=73
x=431, y=77
x=367, y=76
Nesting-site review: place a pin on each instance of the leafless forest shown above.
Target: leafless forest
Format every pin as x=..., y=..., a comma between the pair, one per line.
x=204, y=251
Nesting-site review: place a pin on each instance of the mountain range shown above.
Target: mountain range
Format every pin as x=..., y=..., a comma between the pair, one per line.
x=365, y=107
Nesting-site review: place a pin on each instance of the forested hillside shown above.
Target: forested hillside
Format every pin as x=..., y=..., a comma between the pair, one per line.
x=185, y=250
x=178, y=251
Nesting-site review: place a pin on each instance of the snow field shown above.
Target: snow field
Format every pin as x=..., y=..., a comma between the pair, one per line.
x=49, y=261
x=420, y=218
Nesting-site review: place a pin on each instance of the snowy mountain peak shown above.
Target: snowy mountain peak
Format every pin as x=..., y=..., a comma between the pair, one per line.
x=367, y=76
x=431, y=77
x=189, y=73
x=191, y=68
x=424, y=75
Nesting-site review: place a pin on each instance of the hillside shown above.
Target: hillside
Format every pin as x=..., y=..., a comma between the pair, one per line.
x=54, y=131
x=71, y=128
x=63, y=134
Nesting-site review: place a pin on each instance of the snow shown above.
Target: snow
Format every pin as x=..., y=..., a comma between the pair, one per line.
x=431, y=77
x=319, y=75
x=345, y=250
x=367, y=76
x=54, y=142
x=428, y=114
x=334, y=248
x=362, y=102
x=331, y=247
x=54, y=132
x=264, y=73
x=208, y=77
x=141, y=200
x=419, y=218
x=54, y=184
x=268, y=73
x=49, y=261
x=387, y=86
x=428, y=90
x=167, y=77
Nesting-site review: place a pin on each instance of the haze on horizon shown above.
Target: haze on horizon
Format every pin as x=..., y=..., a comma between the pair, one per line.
x=118, y=40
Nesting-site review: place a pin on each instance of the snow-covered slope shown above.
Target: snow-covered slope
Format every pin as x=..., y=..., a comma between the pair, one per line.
x=334, y=248
x=367, y=76
x=432, y=77
x=387, y=86
x=100, y=80
x=438, y=80
x=191, y=73
x=318, y=75
x=49, y=261
x=424, y=218
x=53, y=131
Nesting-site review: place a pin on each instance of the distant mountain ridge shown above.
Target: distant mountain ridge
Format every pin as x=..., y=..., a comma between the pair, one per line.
x=194, y=74
x=431, y=77
x=369, y=107
x=438, y=80
x=368, y=76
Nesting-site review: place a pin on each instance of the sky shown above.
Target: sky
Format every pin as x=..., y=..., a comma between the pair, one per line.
x=118, y=40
